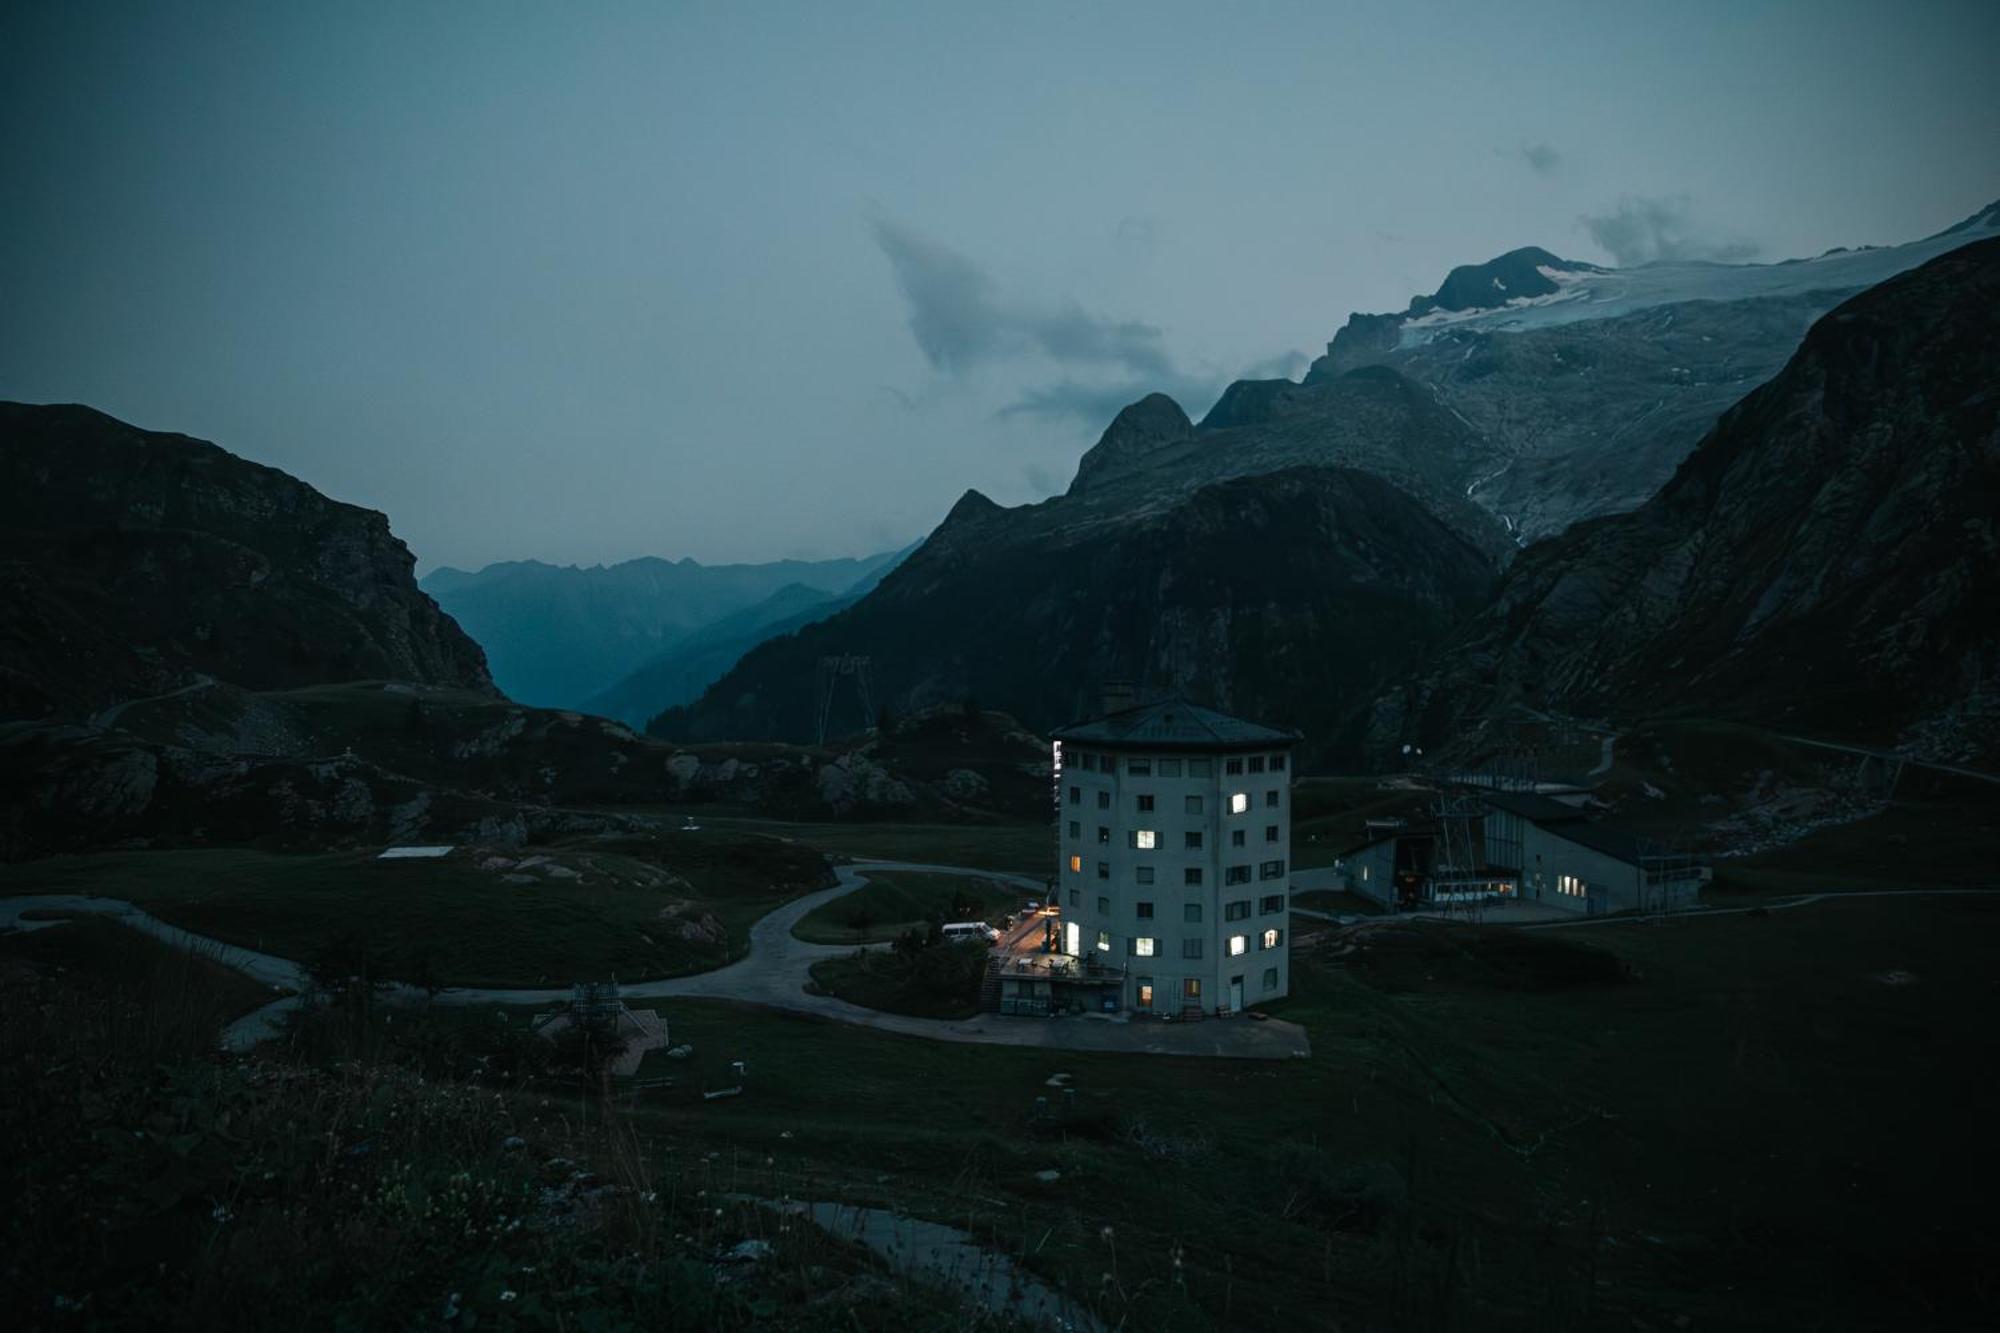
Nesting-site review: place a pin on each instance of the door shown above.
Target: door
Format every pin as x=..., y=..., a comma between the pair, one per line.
x=1236, y=995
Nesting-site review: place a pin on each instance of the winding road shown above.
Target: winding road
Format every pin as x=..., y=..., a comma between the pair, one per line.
x=772, y=975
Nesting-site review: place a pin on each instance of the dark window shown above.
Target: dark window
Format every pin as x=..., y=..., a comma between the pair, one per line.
x=1145, y=802
x=1104, y=907
x=1271, y=799
x=1075, y=795
x=1270, y=833
x=1143, y=875
x=1104, y=870
x=1191, y=912
x=1075, y=829
x=1194, y=805
x=1075, y=898
x=1201, y=768
x=1103, y=836
x=1271, y=870
x=1145, y=911
x=1236, y=837
x=1191, y=840
x=1104, y=800
x=1236, y=911
x=1139, y=768
x=1191, y=948
x=1191, y=875
x=1270, y=978
x=1236, y=875
x=1256, y=763
x=1170, y=768
x=1277, y=763
x=1274, y=902
x=1232, y=766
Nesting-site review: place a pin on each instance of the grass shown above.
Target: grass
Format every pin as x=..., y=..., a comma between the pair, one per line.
x=942, y=982
x=893, y=901
x=1023, y=849
x=1337, y=901
x=636, y=908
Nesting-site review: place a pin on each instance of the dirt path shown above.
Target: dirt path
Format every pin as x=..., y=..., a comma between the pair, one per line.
x=105, y=720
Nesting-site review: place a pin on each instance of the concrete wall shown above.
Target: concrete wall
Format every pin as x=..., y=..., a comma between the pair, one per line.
x=1610, y=884
x=1095, y=799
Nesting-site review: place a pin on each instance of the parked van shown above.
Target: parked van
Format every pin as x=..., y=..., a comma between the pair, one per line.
x=969, y=930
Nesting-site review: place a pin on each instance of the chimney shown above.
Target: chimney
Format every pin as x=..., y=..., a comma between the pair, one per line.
x=1118, y=696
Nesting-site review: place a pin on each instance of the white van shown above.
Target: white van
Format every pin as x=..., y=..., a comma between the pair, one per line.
x=969, y=930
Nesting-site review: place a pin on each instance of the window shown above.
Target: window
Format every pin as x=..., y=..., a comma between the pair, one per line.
x=1144, y=911
x=1236, y=911
x=1191, y=913
x=1076, y=897
x=1104, y=800
x=1270, y=833
x=1170, y=768
x=1236, y=875
x=1191, y=947
x=1191, y=840
x=1145, y=802
x=1272, y=938
x=1104, y=941
x=1143, y=875
x=1076, y=865
x=1570, y=885
x=1191, y=876
x=1238, y=945
x=1271, y=799
x=1271, y=903
x=1146, y=992
x=1271, y=870
x=1139, y=768
x=1143, y=946
x=1270, y=980
x=1145, y=839
x=1104, y=870
x=1086, y=762
x=1191, y=989
x=1075, y=829
x=1201, y=768
x=1194, y=805
x=1075, y=795
x=1239, y=802
x=1236, y=837
x=1104, y=907
x=1230, y=766
x=1103, y=836
x=1277, y=763
x=1256, y=763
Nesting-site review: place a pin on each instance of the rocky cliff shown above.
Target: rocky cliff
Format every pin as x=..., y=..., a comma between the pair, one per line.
x=134, y=563
x=1288, y=596
x=1827, y=559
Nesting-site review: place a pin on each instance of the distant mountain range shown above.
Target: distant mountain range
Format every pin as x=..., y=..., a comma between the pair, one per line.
x=1526, y=395
x=568, y=637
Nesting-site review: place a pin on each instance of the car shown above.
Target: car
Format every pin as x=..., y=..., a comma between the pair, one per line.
x=969, y=930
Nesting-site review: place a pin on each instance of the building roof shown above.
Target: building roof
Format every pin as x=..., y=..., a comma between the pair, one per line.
x=1175, y=724
x=1528, y=805
x=1612, y=843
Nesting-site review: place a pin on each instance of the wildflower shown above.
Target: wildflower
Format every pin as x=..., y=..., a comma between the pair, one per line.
x=508, y=1295
x=221, y=1214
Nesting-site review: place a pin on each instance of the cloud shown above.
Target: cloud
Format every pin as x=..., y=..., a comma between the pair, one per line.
x=1284, y=366
x=1137, y=233
x=1543, y=158
x=1643, y=229
x=959, y=321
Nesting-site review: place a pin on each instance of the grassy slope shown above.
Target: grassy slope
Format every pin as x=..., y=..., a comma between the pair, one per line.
x=892, y=901
x=1024, y=849
x=477, y=928
x=879, y=980
x=1757, y=1131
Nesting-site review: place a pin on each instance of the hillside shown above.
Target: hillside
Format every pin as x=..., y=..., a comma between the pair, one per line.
x=135, y=562
x=1288, y=596
x=1827, y=560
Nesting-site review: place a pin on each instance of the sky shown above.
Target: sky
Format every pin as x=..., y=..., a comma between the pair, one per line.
x=587, y=282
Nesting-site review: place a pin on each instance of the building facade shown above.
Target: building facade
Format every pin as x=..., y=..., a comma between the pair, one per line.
x=1174, y=837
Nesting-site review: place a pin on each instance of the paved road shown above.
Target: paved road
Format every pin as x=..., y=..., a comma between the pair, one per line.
x=772, y=975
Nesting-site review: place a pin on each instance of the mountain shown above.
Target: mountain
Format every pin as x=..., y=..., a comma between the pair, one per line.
x=135, y=563
x=679, y=675
x=1586, y=386
x=1288, y=595
x=557, y=635
x=1827, y=560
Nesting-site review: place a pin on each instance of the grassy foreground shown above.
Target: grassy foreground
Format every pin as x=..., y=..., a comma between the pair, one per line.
x=630, y=907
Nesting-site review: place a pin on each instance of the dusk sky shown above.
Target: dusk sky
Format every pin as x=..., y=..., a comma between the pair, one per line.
x=588, y=282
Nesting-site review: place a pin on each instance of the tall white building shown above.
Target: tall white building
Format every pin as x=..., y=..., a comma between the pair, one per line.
x=1175, y=833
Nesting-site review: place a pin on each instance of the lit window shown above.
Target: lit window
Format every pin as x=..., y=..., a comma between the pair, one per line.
x=1076, y=865
x=1238, y=944
x=1570, y=885
x=1239, y=802
x=1144, y=839
x=1143, y=946
x=1191, y=988
x=1104, y=941
x=1271, y=938
x=1145, y=992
